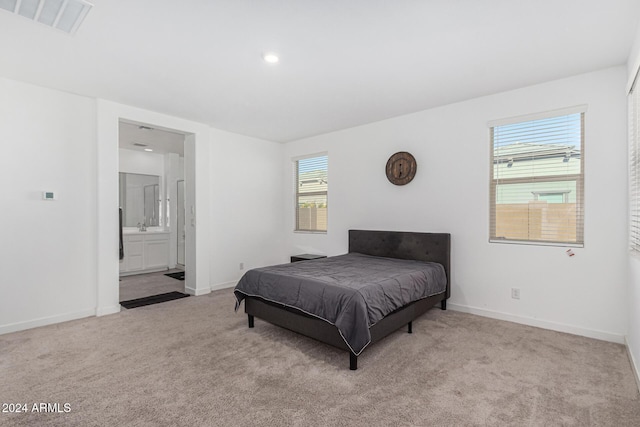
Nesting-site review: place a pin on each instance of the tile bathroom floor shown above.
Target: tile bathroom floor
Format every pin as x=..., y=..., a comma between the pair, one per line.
x=148, y=284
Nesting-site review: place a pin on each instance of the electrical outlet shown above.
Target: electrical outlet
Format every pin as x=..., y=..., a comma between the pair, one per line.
x=515, y=293
x=242, y=266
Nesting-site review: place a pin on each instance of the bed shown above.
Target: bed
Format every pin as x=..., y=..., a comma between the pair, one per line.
x=385, y=281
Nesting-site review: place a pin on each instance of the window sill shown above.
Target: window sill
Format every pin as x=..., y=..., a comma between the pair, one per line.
x=309, y=232
x=533, y=243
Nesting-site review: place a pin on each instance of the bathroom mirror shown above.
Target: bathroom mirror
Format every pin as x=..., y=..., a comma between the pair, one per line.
x=140, y=199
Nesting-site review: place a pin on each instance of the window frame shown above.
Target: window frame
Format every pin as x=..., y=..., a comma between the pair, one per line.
x=578, y=178
x=633, y=106
x=296, y=195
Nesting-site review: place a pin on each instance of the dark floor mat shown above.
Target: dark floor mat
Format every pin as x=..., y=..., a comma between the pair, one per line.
x=178, y=275
x=153, y=299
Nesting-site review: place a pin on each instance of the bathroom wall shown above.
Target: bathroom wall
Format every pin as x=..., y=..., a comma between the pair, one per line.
x=132, y=161
x=173, y=172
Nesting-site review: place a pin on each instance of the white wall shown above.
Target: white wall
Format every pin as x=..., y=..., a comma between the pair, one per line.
x=48, y=251
x=584, y=294
x=633, y=62
x=60, y=259
x=246, y=206
x=633, y=297
x=218, y=168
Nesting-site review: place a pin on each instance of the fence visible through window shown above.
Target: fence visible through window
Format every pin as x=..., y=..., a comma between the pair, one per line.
x=311, y=195
x=537, y=176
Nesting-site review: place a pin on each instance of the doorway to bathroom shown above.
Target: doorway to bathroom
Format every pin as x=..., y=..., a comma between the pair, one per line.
x=152, y=199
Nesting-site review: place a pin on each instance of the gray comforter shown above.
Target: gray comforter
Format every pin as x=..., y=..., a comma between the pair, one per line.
x=352, y=292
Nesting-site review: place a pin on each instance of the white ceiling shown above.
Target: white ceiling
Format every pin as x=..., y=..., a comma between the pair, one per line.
x=342, y=63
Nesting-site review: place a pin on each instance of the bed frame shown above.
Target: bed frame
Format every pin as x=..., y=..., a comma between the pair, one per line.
x=434, y=247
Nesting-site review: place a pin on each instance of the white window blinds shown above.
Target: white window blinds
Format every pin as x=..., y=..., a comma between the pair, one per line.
x=311, y=193
x=634, y=169
x=537, y=179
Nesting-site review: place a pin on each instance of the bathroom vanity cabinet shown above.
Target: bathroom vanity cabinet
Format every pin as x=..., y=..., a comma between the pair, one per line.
x=144, y=252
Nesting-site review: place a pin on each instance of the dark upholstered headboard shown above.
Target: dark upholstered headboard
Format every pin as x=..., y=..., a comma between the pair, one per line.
x=433, y=247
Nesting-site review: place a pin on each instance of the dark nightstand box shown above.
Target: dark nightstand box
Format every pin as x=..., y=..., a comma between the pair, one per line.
x=306, y=257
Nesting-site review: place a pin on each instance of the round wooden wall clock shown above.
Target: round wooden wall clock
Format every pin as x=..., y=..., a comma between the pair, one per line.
x=401, y=168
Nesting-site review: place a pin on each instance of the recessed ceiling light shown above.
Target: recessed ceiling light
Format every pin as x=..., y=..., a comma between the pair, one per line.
x=148, y=149
x=270, y=57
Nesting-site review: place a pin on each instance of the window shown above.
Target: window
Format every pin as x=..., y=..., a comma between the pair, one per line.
x=311, y=193
x=634, y=168
x=537, y=179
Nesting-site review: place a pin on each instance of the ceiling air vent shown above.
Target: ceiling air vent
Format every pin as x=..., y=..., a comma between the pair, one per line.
x=65, y=15
x=139, y=144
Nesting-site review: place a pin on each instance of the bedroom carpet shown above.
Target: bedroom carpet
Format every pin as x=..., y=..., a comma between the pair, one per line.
x=194, y=362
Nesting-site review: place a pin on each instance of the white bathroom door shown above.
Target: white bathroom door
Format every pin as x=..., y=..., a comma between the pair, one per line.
x=180, y=225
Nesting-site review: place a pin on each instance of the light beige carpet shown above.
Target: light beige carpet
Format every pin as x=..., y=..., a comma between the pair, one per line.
x=194, y=362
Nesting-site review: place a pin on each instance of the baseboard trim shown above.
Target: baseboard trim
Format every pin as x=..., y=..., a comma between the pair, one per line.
x=634, y=365
x=197, y=292
x=216, y=287
x=544, y=324
x=103, y=311
x=44, y=321
x=224, y=285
